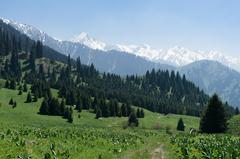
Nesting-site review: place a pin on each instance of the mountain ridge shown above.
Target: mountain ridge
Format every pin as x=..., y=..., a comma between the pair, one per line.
x=214, y=78
x=176, y=56
x=123, y=63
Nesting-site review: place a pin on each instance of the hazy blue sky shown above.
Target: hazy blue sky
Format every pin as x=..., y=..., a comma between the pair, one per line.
x=195, y=24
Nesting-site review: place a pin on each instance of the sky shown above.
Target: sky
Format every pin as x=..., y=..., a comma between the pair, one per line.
x=195, y=24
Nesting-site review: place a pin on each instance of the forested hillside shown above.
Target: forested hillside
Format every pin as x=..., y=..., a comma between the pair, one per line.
x=81, y=86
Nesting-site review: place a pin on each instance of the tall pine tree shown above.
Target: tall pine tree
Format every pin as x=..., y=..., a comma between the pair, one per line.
x=214, y=119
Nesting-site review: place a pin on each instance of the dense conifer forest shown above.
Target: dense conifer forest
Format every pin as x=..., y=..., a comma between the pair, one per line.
x=83, y=87
x=53, y=106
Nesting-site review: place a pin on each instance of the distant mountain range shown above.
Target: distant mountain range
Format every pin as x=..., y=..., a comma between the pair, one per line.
x=211, y=71
x=89, y=50
x=176, y=56
x=213, y=77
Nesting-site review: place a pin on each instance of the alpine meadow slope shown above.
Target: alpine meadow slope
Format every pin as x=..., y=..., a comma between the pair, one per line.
x=85, y=98
x=137, y=59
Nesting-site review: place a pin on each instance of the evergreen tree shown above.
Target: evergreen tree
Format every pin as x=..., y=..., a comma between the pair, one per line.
x=124, y=110
x=79, y=67
x=53, y=78
x=128, y=109
x=6, y=67
x=86, y=102
x=32, y=59
x=180, y=125
x=118, y=110
x=25, y=89
x=44, y=109
x=79, y=105
x=213, y=119
x=29, y=98
x=138, y=113
x=20, y=87
x=70, y=115
x=236, y=111
x=39, y=50
x=132, y=119
x=11, y=102
x=104, y=108
x=20, y=92
x=14, y=62
x=69, y=68
x=95, y=104
x=35, y=97
x=54, y=106
x=7, y=84
x=112, y=108
x=62, y=107
x=99, y=113
x=12, y=84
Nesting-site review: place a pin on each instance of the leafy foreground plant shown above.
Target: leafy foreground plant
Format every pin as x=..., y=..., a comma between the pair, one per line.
x=206, y=146
x=69, y=142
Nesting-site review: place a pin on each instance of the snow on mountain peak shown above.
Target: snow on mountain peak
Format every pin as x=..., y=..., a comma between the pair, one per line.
x=177, y=56
x=31, y=31
x=85, y=39
x=81, y=37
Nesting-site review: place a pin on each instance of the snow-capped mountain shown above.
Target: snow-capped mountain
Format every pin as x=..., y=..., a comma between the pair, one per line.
x=176, y=56
x=198, y=66
x=85, y=39
x=30, y=31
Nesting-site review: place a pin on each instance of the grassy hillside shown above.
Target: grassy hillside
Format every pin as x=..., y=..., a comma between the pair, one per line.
x=234, y=125
x=86, y=137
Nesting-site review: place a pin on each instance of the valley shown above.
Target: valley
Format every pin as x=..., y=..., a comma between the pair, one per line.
x=29, y=134
x=82, y=98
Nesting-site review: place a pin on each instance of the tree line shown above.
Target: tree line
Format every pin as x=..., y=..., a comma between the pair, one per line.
x=158, y=91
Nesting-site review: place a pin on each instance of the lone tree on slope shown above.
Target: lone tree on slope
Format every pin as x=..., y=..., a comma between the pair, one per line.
x=213, y=119
x=180, y=125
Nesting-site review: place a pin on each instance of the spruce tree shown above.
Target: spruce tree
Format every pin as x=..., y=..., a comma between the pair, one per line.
x=112, y=108
x=119, y=112
x=99, y=113
x=32, y=59
x=39, y=50
x=79, y=104
x=124, y=110
x=11, y=102
x=25, y=89
x=62, y=107
x=132, y=119
x=35, y=97
x=12, y=84
x=213, y=119
x=44, y=109
x=138, y=113
x=236, y=111
x=128, y=109
x=180, y=125
x=20, y=92
x=78, y=65
x=70, y=115
x=29, y=98
x=20, y=87
x=7, y=84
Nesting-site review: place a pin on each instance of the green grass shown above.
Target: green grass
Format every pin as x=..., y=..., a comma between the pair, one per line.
x=234, y=125
x=214, y=146
x=105, y=134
